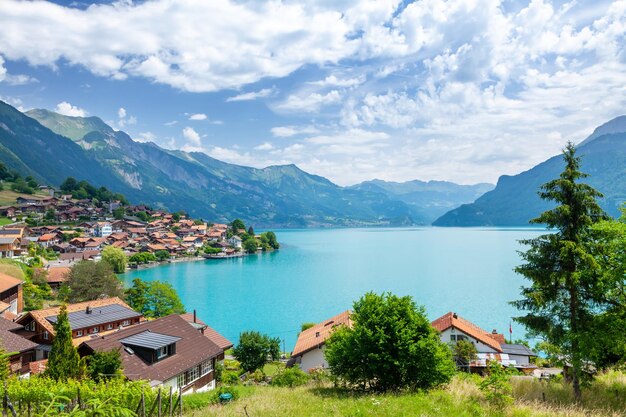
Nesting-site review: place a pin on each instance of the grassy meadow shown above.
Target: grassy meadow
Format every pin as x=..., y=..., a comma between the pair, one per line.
x=606, y=397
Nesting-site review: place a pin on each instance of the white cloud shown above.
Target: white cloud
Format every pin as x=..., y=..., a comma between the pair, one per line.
x=308, y=103
x=67, y=109
x=253, y=95
x=288, y=131
x=121, y=113
x=123, y=120
x=265, y=146
x=3, y=70
x=333, y=81
x=192, y=136
x=146, y=137
x=198, y=116
x=171, y=123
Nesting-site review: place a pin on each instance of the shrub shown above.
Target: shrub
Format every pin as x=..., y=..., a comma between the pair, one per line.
x=290, y=377
x=230, y=378
x=496, y=386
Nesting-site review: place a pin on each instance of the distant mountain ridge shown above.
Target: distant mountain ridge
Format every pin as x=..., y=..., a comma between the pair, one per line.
x=432, y=198
x=51, y=147
x=514, y=201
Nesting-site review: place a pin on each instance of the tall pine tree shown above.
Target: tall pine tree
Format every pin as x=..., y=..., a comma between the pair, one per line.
x=64, y=362
x=561, y=300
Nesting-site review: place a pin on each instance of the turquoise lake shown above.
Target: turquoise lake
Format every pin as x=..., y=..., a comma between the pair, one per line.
x=319, y=273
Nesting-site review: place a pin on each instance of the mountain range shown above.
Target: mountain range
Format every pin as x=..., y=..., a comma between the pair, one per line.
x=514, y=200
x=51, y=147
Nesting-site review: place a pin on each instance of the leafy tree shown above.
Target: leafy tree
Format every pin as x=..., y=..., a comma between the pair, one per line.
x=137, y=294
x=20, y=186
x=116, y=258
x=102, y=366
x=119, y=213
x=237, y=225
x=306, y=326
x=563, y=297
x=254, y=349
x=496, y=386
x=143, y=216
x=5, y=365
x=250, y=245
x=89, y=280
x=142, y=258
x=4, y=172
x=176, y=217
x=31, y=182
x=465, y=351
x=162, y=255
x=154, y=299
x=271, y=239
x=50, y=215
x=64, y=362
x=390, y=346
x=251, y=231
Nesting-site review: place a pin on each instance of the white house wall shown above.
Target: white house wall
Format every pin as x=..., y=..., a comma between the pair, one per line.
x=313, y=359
x=480, y=346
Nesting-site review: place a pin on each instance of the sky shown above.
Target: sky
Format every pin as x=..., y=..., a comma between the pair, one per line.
x=458, y=90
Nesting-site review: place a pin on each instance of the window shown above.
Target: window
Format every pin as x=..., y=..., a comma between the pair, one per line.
x=109, y=326
x=95, y=330
x=206, y=367
x=45, y=335
x=456, y=338
x=162, y=352
x=126, y=323
x=192, y=375
x=30, y=326
x=79, y=333
x=180, y=380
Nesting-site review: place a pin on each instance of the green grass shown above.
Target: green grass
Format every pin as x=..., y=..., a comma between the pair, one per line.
x=8, y=196
x=5, y=220
x=461, y=398
x=272, y=368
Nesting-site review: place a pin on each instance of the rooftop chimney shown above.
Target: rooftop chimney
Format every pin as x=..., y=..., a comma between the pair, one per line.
x=88, y=310
x=456, y=316
x=317, y=334
x=494, y=331
x=194, y=315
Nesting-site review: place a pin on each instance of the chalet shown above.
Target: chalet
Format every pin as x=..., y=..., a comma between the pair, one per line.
x=86, y=319
x=195, y=241
x=102, y=229
x=55, y=276
x=135, y=232
x=490, y=346
x=83, y=255
x=11, y=242
x=32, y=200
x=235, y=242
x=22, y=351
x=308, y=353
x=207, y=331
x=49, y=239
x=9, y=211
x=167, y=352
x=11, y=293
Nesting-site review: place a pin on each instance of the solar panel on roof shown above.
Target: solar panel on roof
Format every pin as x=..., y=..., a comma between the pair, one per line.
x=97, y=316
x=150, y=340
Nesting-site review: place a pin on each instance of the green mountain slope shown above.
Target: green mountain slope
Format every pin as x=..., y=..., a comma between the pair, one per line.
x=431, y=199
x=514, y=201
x=205, y=187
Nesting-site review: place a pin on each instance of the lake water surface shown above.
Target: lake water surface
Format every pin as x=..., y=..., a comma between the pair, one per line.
x=319, y=273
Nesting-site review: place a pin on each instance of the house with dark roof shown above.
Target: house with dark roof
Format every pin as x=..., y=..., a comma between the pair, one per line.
x=209, y=332
x=308, y=353
x=11, y=242
x=489, y=345
x=87, y=320
x=11, y=293
x=23, y=350
x=167, y=352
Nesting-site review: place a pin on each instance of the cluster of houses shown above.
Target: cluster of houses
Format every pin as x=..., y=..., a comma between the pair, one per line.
x=308, y=353
x=178, y=351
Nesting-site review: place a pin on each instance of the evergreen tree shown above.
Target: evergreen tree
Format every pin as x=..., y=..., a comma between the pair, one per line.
x=561, y=300
x=64, y=362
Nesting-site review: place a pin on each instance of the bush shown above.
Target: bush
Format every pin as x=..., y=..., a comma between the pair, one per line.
x=496, y=386
x=290, y=377
x=230, y=378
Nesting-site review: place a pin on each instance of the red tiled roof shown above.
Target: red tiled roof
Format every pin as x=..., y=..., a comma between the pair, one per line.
x=315, y=336
x=454, y=320
x=37, y=367
x=58, y=274
x=7, y=282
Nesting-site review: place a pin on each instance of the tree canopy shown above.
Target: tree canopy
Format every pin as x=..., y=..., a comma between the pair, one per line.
x=116, y=258
x=254, y=349
x=154, y=299
x=64, y=362
x=390, y=346
x=566, y=289
x=89, y=280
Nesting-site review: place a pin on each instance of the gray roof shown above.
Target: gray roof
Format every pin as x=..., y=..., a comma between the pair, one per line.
x=517, y=350
x=99, y=315
x=9, y=231
x=6, y=240
x=150, y=340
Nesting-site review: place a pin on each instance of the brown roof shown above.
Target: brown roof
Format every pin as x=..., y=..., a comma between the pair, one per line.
x=10, y=341
x=454, y=320
x=209, y=332
x=40, y=315
x=57, y=274
x=8, y=282
x=191, y=349
x=315, y=336
x=47, y=237
x=37, y=367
